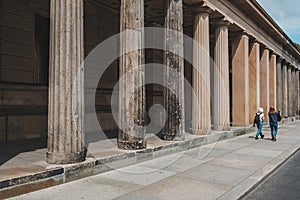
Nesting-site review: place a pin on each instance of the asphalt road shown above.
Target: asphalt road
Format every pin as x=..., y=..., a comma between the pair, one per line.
x=284, y=183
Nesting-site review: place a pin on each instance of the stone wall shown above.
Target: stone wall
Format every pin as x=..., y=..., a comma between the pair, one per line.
x=21, y=115
x=23, y=101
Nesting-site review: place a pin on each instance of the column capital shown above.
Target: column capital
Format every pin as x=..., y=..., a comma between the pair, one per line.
x=279, y=59
x=265, y=47
x=221, y=22
x=285, y=62
x=201, y=10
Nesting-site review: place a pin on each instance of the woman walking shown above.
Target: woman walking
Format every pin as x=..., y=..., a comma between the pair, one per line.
x=274, y=117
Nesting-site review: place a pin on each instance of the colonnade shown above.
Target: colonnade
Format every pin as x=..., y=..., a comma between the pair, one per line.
x=260, y=78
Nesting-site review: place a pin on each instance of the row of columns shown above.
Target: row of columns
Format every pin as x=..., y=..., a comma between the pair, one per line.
x=287, y=89
x=254, y=79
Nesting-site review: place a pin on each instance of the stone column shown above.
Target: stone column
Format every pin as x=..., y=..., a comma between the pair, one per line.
x=66, y=85
x=294, y=92
x=201, y=73
x=265, y=81
x=221, y=103
x=240, y=80
x=132, y=105
x=254, y=79
x=279, y=85
x=290, y=92
x=285, y=90
x=297, y=93
x=174, y=72
x=273, y=80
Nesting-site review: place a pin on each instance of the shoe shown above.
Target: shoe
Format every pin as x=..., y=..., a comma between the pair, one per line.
x=275, y=139
x=262, y=137
x=256, y=138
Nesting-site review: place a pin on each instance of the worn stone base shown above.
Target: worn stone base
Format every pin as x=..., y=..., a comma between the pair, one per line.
x=128, y=142
x=54, y=158
x=221, y=128
x=202, y=132
x=172, y=137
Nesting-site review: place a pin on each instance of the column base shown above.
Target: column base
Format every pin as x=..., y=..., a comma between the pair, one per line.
x=60, y=159
x=173, y=137
x=134, y=144
x=201, y=131
x=221, y=128
x=241, y=124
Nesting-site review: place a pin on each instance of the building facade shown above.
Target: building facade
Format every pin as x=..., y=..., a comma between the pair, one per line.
x=45, y=42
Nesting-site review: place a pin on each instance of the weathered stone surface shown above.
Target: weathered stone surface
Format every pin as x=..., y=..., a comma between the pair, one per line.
x=35, y=126
x=78, y=171
x=132, y=102
x=29, y=97
x=174, y=73
x=15, y=126
x=66, y=84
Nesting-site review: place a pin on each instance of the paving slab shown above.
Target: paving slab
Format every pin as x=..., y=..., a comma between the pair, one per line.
x=178, y=188
x=224, y=169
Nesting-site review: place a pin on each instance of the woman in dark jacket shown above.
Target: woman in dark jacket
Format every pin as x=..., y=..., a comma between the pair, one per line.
x=274, y=117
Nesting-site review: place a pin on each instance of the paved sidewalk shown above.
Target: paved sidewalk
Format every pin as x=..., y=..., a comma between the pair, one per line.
x=222, y=170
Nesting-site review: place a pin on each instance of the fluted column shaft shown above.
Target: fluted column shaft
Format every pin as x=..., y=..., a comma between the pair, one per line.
x=221, y=116
x=265, y=81
x=240, y=80
x=290, y=92
x=294, y=94
x=132, y=103
x=298, y=92
x=174, y=72
x=279, y=85
x=66, y=85
x=273, y=80
x=285, y=90
x=254, y=79
x=201, y=74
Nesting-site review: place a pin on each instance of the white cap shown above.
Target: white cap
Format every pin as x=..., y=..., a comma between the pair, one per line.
x=260, y=110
